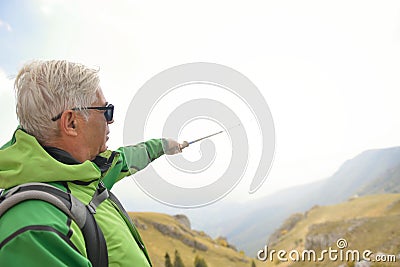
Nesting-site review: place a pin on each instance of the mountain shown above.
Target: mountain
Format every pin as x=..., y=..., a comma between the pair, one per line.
x=361, y=223
x=164, y=233
x=249, y=225
x=373, y=171
x=388, y=182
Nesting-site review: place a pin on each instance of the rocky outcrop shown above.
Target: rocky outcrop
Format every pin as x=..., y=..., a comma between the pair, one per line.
x=321, y=241
x=324, y=235
x=181, y=233
x=182, y=219
x=288, y=225
x=138, y=224
x=222, y=241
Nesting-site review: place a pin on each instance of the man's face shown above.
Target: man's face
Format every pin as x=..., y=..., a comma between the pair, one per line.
x=95, y=131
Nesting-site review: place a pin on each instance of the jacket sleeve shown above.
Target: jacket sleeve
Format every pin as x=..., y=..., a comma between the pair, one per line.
x=40, y=247
x=137, y=157
x=133, y=159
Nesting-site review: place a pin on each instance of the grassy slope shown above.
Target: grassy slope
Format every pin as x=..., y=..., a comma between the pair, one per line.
x=379, y=232
x=158, y=244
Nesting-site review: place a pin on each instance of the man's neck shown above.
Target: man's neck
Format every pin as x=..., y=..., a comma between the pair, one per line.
x=61, y=155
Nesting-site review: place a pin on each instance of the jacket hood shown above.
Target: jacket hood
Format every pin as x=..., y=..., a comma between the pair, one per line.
x=23, y=160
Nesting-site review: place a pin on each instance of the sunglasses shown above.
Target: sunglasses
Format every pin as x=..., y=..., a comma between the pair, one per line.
x=108, y=113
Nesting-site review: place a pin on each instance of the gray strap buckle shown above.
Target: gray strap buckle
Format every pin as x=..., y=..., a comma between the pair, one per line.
x=99, y=196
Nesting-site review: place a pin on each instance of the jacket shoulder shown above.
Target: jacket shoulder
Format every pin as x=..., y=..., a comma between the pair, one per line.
x=36, y=224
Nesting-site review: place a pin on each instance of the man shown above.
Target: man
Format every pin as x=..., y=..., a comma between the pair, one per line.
x=64, y=125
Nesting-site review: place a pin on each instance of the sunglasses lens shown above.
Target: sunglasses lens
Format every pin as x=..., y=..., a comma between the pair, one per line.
x=109, y=114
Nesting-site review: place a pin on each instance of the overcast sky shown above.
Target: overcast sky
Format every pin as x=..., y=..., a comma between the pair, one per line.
x=329, y=70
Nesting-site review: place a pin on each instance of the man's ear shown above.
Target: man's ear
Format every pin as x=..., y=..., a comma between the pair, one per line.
x=68, y=122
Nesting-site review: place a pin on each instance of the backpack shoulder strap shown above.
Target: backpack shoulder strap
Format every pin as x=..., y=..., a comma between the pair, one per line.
x=95, y=243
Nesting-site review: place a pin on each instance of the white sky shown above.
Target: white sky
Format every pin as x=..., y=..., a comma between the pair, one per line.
x=328, y=70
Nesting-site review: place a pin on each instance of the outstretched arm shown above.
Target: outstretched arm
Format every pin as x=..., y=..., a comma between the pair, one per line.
x=137, y=157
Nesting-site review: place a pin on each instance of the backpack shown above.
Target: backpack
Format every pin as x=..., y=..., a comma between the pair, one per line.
x=83, y=215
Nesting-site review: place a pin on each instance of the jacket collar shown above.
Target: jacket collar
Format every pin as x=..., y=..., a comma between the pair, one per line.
x=64, y=157
x=61, y=155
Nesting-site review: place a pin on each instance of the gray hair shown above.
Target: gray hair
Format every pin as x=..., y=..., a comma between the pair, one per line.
x=45, y=89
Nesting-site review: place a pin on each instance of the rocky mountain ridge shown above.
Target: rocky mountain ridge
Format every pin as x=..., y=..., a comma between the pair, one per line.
x=363, y=223
x=163, y=234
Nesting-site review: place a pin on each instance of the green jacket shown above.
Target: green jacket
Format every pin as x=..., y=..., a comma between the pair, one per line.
x=35, y=233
